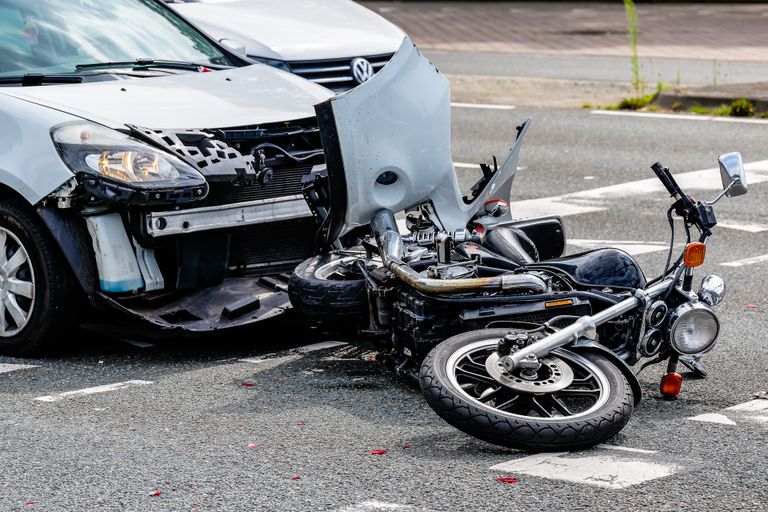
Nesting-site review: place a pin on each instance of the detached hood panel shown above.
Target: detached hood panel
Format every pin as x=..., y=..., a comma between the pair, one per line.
x=296, y=29
x=390, y=140
x=243, y=96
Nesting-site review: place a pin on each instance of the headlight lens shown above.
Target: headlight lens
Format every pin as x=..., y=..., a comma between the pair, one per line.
x=694, y=328
x=106, y=159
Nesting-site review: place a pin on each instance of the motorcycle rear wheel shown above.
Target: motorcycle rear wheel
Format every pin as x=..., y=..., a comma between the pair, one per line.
x=593, y=407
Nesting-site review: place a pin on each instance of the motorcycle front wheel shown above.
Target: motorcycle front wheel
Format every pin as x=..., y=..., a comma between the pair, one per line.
x=576, y=399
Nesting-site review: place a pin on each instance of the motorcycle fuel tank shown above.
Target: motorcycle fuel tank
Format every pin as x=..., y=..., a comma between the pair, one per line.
x=609, y=267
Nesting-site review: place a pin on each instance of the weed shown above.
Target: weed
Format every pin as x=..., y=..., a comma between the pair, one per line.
x=741, y=107
x=586, y=105
x=629, y=7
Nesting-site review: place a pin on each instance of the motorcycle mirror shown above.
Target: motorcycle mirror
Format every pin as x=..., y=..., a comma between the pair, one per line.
x=733, y=175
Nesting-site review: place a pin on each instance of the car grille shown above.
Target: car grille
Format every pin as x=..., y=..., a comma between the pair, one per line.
x=270, y=248
x=335, y=74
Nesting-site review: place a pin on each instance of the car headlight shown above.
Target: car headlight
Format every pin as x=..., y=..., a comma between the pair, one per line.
x=694, y=328
x=279, y=64
x=115, y=167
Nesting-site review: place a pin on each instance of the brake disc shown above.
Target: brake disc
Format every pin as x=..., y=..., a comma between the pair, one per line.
x=553, y=375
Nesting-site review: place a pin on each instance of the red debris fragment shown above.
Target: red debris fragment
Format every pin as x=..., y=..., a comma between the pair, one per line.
x=30, y=502
x=407, y=446
x=507, y=480
x=156, y=493
x=246, y=384
x=253, y=445
x=751, y=306
x=378, y=452
x=300, y=424
x=295, y=477
x=196, y=506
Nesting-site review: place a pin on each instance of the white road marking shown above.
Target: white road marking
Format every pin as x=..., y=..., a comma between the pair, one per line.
x=758, y=404
x=624, y=448
x=466, y=166
x=94, y=390
x=746, y=261
x=598, y=470
x=630, y=246
x=379, y=506
x=7, y=367
x=483, y=105
x=682, y=117
x=594, y=200
x=269, y=361
x=749, y=228
x=320, y=346
x=722, y=419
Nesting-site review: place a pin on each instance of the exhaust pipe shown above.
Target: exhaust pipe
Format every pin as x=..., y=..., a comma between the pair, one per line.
x=391, y=247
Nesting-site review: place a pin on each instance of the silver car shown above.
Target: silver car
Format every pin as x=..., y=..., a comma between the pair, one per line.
x=147, y=169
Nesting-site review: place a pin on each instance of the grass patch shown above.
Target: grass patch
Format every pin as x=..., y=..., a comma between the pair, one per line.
x=738, y=108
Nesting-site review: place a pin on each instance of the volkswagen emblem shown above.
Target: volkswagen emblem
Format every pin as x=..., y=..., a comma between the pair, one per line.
x=362, y=70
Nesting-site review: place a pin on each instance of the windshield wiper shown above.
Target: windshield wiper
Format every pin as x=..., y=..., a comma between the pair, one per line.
x=139, y=64
x=41, y=79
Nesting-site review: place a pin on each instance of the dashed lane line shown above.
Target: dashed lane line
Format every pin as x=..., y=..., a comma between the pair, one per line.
x=680, y=117
x=746, y=261
x=749, y=228
x=91, y=391
x=614, y=471
x=486, y=106
x=713, y=417
x=594, y=200
x=7, y=367
x=632, y=247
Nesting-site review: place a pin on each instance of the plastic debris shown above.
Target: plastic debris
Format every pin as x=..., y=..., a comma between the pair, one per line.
x=751, y=306
x=407, y=446
x=295, y=477
x=507, y=480
x=300, y=424
x=156, y=493
x=247, y=384
x=31, y=502
x=253, y=445
x=378, y=452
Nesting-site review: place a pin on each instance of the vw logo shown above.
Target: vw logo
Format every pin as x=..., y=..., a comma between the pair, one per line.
x=362, y=70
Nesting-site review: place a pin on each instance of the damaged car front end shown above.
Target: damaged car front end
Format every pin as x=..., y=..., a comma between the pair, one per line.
x=166, y=190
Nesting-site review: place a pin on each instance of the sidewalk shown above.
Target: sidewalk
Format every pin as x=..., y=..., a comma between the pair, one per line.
x=735, y=32
x=567, y=54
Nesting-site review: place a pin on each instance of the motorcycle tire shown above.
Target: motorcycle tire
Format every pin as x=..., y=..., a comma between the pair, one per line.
x=452, y=381
x=323, y=300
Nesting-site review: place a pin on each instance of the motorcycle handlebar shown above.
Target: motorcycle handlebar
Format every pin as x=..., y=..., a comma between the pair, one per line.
x=666, y=178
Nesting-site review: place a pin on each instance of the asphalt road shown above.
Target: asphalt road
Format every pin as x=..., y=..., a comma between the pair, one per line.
x=203, y=430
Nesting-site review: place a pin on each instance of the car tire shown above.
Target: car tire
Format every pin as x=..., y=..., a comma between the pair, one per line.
x=31, y=264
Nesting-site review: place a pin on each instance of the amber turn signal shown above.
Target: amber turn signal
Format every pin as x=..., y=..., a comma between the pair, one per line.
x=671, y=384
x=694, y=254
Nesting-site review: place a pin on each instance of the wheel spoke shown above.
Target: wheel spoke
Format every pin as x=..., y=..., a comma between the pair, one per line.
x=484, y=379
x=560, y=406
x=3, y=240
x=17, y=260
x=19, y=287
x=594, y=393
x=505, y=405
x=18, y=315
x=3, y=324
x=536, y=406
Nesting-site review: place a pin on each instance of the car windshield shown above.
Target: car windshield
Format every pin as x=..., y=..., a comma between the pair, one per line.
x=53, y=36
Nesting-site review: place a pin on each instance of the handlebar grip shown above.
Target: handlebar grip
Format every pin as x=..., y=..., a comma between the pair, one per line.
x=666, y=178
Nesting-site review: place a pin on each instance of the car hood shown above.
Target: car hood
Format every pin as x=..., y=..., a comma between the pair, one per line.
x=255, y=94
x=296, y=29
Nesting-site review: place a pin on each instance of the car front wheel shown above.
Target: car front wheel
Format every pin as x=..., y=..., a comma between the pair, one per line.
x=35, y=283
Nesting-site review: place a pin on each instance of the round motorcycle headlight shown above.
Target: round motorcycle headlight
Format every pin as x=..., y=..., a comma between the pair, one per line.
x=694, y=328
